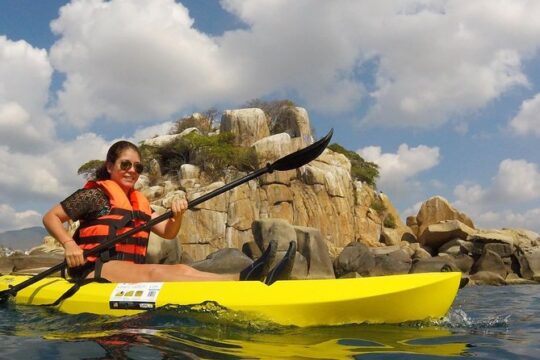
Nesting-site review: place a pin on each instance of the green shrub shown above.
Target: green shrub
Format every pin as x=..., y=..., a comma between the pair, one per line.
x=202, y=121
x=390, y=221
x=88, y=170
x=378, y=206
x=213, y=154
x=270, y=108
x=361, y=169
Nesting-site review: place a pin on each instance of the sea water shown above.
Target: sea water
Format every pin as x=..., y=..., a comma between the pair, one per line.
x=484, y=322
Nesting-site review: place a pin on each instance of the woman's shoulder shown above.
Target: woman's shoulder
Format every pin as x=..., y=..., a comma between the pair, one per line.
x=86, y=203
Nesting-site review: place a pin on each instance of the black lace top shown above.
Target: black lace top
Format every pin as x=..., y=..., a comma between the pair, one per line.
x=86, y=204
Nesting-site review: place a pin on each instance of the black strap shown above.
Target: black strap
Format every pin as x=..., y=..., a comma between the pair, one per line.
x=73, y=289
x=82, y=280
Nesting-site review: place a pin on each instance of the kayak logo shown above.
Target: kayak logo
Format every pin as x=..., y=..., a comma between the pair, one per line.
x=137, y=296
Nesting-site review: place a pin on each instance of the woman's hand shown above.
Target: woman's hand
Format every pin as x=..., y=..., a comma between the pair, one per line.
x=178, y=208
x=169, y=229
x=73, y=254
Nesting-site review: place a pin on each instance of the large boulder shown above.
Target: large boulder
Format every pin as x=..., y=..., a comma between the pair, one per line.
x=280, y=230
x=355, y=258
x=530, y=264
x=160, y=140
x=163, y=251
x=295, y=122
x=391, y=260
x=49, y=246
x=437, y=209
x=456, y=247
x=247, y=125
x=437, y=234
x=490, y=261
x=314, y=249
x=434, y=264
x=270, y=149
x=464, y=262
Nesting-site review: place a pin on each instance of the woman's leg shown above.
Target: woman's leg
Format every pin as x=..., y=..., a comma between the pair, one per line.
x=122, y=271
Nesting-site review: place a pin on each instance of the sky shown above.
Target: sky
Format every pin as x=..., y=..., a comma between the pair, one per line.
x=443, y=95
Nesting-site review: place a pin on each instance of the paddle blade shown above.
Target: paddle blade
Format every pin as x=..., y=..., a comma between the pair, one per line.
x=303, y=156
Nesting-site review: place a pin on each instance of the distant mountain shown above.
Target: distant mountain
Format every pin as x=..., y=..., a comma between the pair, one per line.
x=23, y=239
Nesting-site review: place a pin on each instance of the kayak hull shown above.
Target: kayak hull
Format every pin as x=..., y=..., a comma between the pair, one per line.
x=384, y=299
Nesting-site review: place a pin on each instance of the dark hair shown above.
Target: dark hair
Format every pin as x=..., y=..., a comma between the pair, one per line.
x=112, y=155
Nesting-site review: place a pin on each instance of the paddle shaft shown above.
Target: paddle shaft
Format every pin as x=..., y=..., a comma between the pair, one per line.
x=111, y=242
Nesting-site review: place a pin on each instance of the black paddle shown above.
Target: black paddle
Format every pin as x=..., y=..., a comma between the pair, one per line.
x=289, y=162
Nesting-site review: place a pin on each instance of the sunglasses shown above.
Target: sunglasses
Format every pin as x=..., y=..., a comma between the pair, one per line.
x=127, y=164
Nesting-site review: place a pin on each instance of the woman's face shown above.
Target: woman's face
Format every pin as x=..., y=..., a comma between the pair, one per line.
x=128, y=177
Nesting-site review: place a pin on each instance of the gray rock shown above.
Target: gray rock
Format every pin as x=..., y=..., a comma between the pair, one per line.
x=503, y=249
x=434, y=264
x=419, y=252
x=396, y=262
x=490, y=261
x=313, y=248
x=456, y=247
x=351, y=275
x=224, y=261
x=464, y=263
x=163, y=251
x=355, y=258
x=251, y=249
x=300, y=267
x=514, y=279
x=487, y=278
x=529, y=264
x=273, y=229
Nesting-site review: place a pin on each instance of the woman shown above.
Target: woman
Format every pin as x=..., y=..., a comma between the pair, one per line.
x=110, y=206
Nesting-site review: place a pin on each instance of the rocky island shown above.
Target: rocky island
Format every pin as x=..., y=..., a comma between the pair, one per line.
x=343, y=226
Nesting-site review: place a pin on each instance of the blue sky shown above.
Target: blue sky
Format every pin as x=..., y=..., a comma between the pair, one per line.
x=443, y=95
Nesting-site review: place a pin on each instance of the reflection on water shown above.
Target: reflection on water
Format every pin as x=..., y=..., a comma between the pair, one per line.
x=485, y=322
x=215, y=333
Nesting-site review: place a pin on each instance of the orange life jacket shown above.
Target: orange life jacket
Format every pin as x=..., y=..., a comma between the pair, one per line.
x=127, y=212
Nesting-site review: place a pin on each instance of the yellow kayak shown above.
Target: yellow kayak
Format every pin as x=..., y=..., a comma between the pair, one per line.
x=384, y=299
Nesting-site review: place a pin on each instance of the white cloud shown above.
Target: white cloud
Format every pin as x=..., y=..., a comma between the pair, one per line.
x=138, y=60
x=434, y=59
x=398, y=170
x=151, y=131
x=132, y=61
x=37, y=182
x=11, y=219
x=25, y=76
x=527, y=121
x=528, y=219
x=516, y=184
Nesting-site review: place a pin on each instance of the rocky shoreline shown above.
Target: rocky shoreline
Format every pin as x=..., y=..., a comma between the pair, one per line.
x=340, y=224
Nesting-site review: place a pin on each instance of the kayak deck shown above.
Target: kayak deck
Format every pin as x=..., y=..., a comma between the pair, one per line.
x=384, y=299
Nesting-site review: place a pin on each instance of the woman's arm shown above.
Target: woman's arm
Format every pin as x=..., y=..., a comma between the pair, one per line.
x=169, y=229
x=54, y=221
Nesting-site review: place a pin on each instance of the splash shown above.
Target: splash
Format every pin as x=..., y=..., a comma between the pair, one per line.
x=457, y=319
